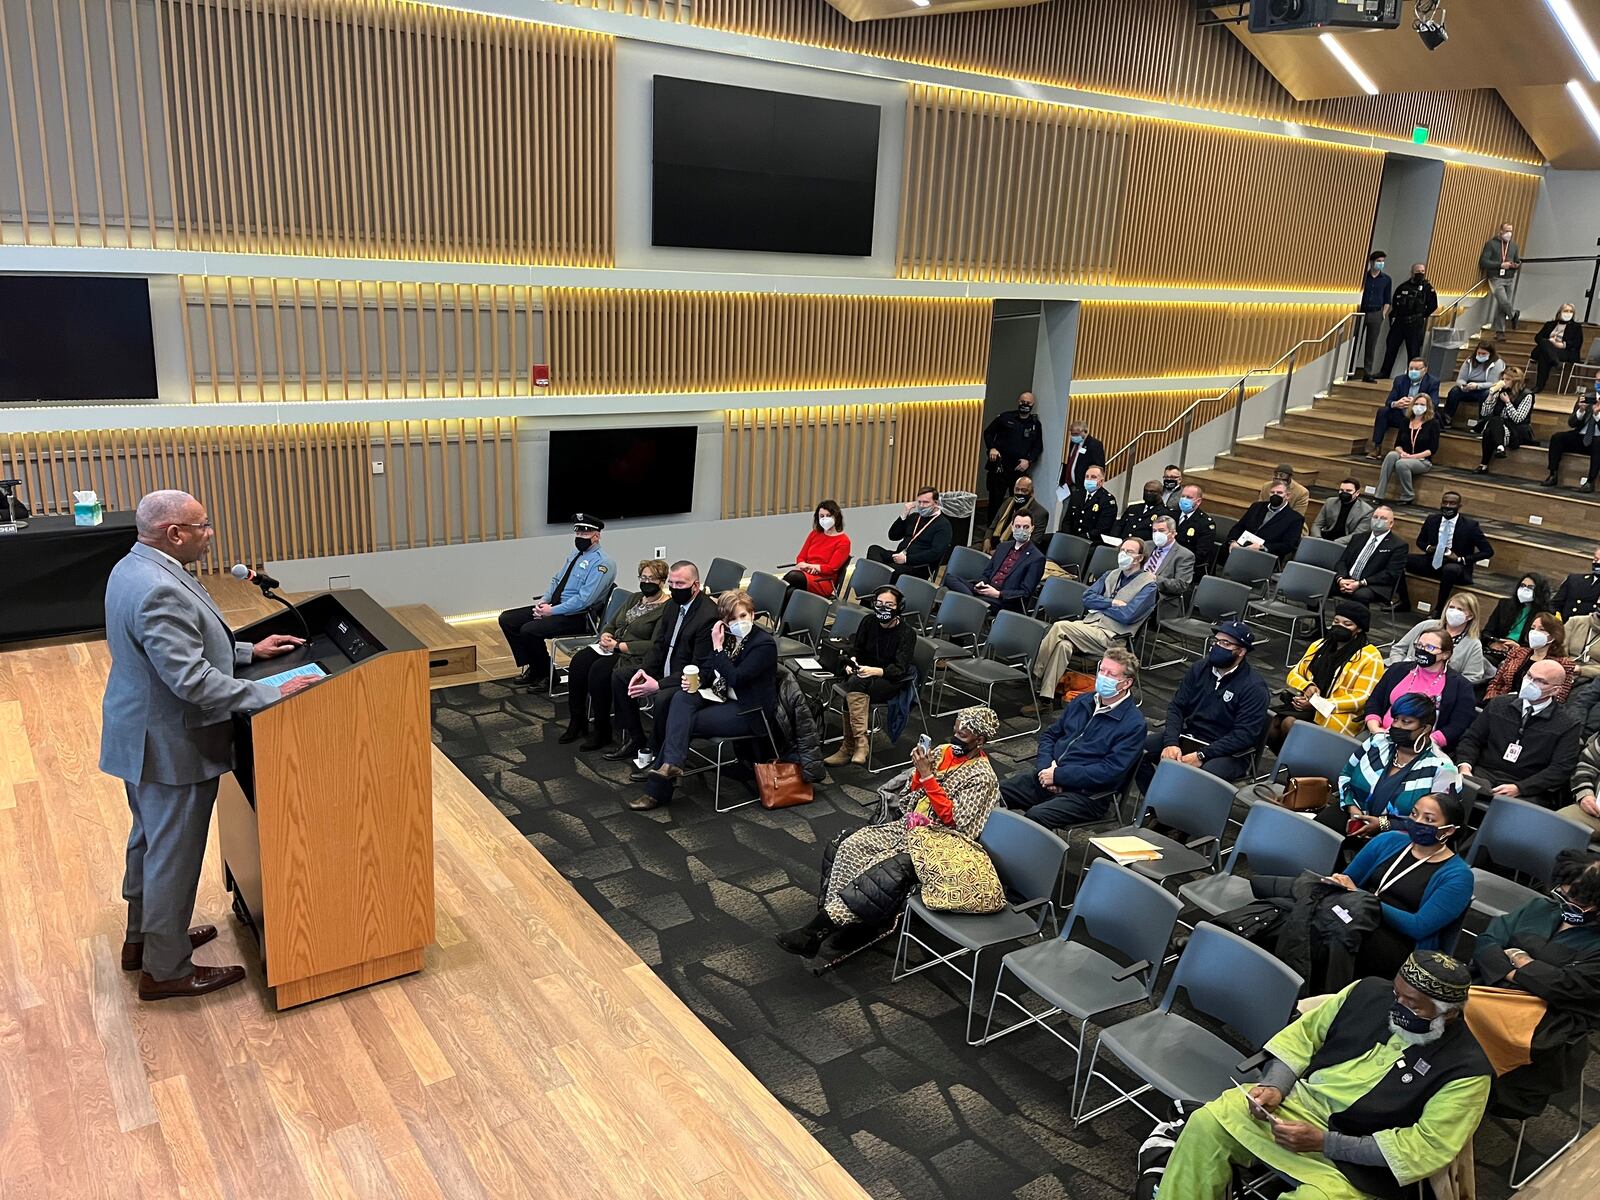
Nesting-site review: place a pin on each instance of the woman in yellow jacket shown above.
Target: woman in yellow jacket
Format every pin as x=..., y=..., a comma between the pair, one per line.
x=1341, y=668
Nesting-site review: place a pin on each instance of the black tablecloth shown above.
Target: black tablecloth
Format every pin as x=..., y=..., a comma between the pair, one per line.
x=53, y=575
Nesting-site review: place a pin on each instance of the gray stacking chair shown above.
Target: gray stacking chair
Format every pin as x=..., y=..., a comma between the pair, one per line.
x=1523, y=837
x=966, y=563
x=1274, y=841
x=722, y=575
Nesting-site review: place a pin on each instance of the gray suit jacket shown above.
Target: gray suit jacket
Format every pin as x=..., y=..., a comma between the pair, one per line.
x=1358, y=526
x=171, y=691
x=1174, y=579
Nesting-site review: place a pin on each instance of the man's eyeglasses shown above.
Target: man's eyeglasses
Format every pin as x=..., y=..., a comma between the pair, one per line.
x=193, y=524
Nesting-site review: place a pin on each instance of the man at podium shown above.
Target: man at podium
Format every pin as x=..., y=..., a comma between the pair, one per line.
x=167, y=733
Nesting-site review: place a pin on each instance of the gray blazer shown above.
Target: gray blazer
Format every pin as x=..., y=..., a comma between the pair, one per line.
x=171, y=691
x=1359, y=524
x=1174, y=579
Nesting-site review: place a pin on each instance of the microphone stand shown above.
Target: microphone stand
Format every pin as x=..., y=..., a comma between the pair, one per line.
x=298, y=616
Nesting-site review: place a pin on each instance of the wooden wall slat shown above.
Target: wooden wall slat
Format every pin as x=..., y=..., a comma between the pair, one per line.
x=1148, y=340
x=1473, y=201
x=1116, y=418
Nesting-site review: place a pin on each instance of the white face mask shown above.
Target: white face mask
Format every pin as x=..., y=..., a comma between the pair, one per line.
x=1566, y=316
x=1530, y=691
x=1454, y=617
x=741, y=629
x=825, y=523
x=1524, y=595
x=1538, y=639
x=1418, y=410
x=1483, y=358
x=1159, y=537
x=1124, y=560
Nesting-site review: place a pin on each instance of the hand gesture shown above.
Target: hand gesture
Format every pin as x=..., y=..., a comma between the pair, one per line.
x=298, y=684
x=1171, y=753
x=1506, y=789
x=910, y=507
x=1298, y=1136
x=607, y=642
x=1344, y=881
x=541, y=609
x=642, y=685
x=811, y=568
x=1268, y=1098
x=1047, y=777
x=994, y=456
x=1022, y=464
x=719, y=633
x=900, y=559
x=1590, y=805
x=275, y=644
x=922, y=762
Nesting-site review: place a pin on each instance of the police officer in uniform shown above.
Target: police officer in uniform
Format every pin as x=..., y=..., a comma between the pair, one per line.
x=1580, y=593
x=1197, y=532
x=563, y=610
x=1136, y=518
x=1014, y=441
x=1091, y=509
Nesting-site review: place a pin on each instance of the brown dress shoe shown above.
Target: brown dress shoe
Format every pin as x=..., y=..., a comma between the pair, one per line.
x=668, y=771
x=197, y=983
x=133, y=952
x=643, y=802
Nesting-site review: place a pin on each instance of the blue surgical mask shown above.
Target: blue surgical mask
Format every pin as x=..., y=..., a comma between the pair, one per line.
x=1414, y=374
x=1420, y=832
x=1185, y=505
x=1104, y=686
x=1403, y=1018
x=1124, y=559
x=1077, y=439
x=1090, y=485
x=1379, y=265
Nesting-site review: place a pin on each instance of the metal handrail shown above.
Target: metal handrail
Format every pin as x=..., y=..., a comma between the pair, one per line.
x=1186, y=417
x=1455, y=306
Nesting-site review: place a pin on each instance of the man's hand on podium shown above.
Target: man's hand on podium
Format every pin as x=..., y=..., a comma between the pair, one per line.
x=298, y=684
x=275, y=644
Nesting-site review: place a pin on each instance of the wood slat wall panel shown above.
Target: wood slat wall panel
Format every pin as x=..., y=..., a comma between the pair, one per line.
x=249, y=339
x=783, y=460
x=1138, y=340
x=1473, y=201
x=608, y=341
x=1116, y=418
x=1105, y=198
x=279, y=492
x=1149, y=50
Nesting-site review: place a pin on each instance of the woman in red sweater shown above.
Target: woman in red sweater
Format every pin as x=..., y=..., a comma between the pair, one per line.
x=826, y=550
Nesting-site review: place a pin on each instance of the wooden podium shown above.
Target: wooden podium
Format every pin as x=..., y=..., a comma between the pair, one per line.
x=326, y=822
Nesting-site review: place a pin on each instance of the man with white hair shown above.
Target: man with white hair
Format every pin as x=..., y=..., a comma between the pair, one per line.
x=167, y=733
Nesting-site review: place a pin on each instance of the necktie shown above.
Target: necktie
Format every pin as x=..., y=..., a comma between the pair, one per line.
x=1447, y=533
x=1360, y=564
x=1588, y=430
x=672, y=644
x=555, y=596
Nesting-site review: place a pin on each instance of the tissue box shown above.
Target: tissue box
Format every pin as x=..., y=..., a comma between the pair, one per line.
x=88, y=514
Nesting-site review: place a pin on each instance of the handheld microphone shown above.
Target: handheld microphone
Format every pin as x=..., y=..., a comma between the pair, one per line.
x=264, y=582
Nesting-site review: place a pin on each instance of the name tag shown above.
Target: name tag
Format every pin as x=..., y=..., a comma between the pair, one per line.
x=1343, y=914
x=1513, y=752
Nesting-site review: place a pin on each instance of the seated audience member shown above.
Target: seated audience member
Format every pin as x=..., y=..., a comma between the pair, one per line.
x=1171, y=485
x=682, y=638
x=1525, y=745
x=1089, y=749
x=1461, y=623
x=875, y=672
x=734, y=695
x=1013, y=442
x=1277, y=526
x=1506, y=419
x=1417, y=385
x=1480, y=371
x=1013, y=573
x=1114, y=607
x=1197, y=529
x=1091, y=510
x=823, y=554
x=1020, y=500
x=1585, y=808
x=1513, y=616
x=1136, y=518
x=1579, y=592
x=868, y=874
x=1344, y=518
x=1390, y=771
x=1218, y=715
x=922, y=536
x=1583, y=647
x=1371, y=567
x=1548, y=949
x=1584, y=705
x=1582, y=436
x=1082, y=453
x=1448, y=547
x=1341, y=669
x=1557, y=342
x=1299, y=497
x=563, y=610
x=1428, y=673
x=1349, y=1121
x=1547, y=642
x=622, y=645
x=1414, y=448
x=1171, y=564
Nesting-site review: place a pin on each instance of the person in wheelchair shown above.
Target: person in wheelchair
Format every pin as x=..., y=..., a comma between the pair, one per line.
x=867, y=874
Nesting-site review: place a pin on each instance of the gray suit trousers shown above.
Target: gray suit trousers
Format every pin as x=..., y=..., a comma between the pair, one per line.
x=166, y=847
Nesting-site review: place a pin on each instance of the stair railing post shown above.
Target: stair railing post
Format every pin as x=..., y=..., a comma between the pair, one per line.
x=1288, y=383
x=1238, y=412
x=1333, y=359
x=1183, y=445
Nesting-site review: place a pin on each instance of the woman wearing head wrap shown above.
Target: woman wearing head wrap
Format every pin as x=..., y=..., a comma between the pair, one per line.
x=867, y=874
x=1341, y=668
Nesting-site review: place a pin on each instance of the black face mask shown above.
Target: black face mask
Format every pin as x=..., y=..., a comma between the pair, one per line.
x=1152, y=497
x=1021, y=499
x=961, y=749
x=648, y=587
x=1403, y=1018
x=582, y=543
x=1424, y=656
x=1572, y=914
x=1276, y=503
x=1417, y=276
x=1347, y=497
x=1025, y=410
x=1339, y=635
x=681, y=595
x=1448, y=510
x=885, y=612
x=1170, y=485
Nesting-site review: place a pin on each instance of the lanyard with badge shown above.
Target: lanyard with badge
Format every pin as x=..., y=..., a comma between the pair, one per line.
x=1391, y=879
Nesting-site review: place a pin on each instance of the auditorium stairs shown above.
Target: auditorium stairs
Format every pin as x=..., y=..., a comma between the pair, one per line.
x=1550, y=531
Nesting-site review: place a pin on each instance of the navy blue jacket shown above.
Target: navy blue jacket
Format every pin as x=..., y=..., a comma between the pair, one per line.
x=1230, y=715
x=754, y=674
x=1092, y=752
x=1457, y=704
x=1429, y=384
x=1025, y=576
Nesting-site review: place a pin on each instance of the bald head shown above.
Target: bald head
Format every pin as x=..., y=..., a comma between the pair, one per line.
x=175, y=523
x=1549, y=674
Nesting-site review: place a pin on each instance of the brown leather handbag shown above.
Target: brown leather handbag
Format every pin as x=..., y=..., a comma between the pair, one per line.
x=782, y=785
x=1309, y=793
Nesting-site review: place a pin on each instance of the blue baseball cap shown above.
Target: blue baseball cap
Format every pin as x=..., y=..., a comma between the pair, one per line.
x=1238, y=631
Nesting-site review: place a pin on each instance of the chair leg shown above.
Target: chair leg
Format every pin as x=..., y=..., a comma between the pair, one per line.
x=1522, y=1129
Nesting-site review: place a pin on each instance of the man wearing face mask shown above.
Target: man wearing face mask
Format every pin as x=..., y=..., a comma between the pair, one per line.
x=1524, y=745
x=1218, y=715
x=1013, y=442
x=1118, y=603
x=1082, y=453
x=1558, y=342
x=578, y=588
x=1414, y=302
x=1499, y=262
x=1579, y=593
x=1368, y=1094
x=1376, y=291
x=922, y=536
x=1582, y=436
x=1448, y=547
x=1480, y=371
x=1013, y=573
x=1346, y=517
x=1171, y=485
x=1270, y=525
x=1371, y=569
x=1299, y=498
x=1136, y=518
x=683, y=638
x=1416, y=385
x=1171, y=564
x=1197, y=529
x=1086, y=754
x=1091, y=510
x=1021, y=500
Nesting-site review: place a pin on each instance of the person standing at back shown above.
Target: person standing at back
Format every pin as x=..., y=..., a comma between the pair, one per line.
x=1377, y=289
x=1414, y=302
x=1500, y=261
x=167, y=733
x=1013, y=441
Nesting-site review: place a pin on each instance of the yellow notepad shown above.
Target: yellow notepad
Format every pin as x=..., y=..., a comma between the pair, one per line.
x=1127, y=849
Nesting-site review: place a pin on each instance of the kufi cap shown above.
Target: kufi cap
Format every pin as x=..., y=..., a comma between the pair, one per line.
x=1437, y=976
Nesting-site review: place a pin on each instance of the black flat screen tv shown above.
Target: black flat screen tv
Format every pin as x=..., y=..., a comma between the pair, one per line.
x=619, y=473
x=736, y=168
x=75, y=337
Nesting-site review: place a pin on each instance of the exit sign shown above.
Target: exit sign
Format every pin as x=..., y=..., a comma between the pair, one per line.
x=1419, y=134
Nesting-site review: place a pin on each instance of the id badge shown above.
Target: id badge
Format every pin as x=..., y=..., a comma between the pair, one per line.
x=1513, y=752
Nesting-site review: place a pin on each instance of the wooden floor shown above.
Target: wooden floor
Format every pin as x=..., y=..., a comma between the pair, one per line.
x=534, y=1056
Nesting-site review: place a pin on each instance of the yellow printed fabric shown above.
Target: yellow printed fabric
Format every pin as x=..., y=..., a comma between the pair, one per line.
x=1351, y=687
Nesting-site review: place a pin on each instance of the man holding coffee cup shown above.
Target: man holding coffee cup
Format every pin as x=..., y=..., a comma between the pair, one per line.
x=683, y=638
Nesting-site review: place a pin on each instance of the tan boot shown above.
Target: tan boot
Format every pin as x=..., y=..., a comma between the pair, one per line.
x=860, y=709
x=847, y=745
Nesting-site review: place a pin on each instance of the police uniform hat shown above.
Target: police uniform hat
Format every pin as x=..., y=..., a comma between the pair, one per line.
x=585, y=521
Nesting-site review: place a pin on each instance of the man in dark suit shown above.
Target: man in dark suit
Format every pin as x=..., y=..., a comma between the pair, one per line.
x=1082, y=453
x=1197, y=529
x=1273, y=521
x=1013, y=573
x=1415, y=381
x=1448, y=547
x=1091, y=510
x=1580, y=593
x=1014, y=441
x=922, y=535
x=682, y=638
x=1372, y=567
x=1021, y=500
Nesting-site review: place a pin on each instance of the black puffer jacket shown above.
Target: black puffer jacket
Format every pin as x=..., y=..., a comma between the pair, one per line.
x=1312, y=921
x=879, y=892
x=799, y=740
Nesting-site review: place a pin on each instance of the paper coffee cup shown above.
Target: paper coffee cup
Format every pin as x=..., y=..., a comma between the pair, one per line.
x=691, y=679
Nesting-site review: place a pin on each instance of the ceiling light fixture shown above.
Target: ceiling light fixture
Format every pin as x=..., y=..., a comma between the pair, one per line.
x=1586, y=106
x=1582, y=44
x=1348, y=63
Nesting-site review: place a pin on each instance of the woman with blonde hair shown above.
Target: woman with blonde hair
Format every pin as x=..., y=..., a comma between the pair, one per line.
x=1460, y=620
x=1507, y=417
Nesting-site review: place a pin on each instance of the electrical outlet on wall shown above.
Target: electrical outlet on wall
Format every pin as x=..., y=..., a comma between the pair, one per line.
x=377, y=466
x=1535, y=519
x=338, y=583
x=661, y=552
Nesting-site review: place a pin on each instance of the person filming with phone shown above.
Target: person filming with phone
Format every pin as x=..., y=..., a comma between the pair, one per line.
x=874, y=668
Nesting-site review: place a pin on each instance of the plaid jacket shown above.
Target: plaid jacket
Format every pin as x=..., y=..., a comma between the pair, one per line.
x=1351, y=686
